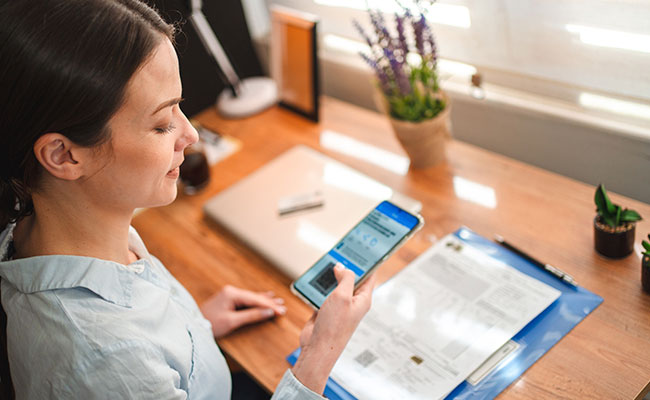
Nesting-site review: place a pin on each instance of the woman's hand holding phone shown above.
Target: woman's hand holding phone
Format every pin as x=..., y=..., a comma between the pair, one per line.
x=325, y=335
x=369, y=243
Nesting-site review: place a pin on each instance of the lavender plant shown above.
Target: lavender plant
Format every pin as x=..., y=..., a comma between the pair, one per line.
x=412, y=91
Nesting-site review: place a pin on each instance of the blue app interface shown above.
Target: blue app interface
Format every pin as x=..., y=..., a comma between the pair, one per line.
x=359, y=250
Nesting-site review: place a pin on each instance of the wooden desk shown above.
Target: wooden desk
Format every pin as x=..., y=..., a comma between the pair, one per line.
x=607, y=356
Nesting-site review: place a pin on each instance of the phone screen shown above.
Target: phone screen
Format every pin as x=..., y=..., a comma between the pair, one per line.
x=359, y=250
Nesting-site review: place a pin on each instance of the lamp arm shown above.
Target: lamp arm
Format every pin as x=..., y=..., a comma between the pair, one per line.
x=246, y=97
x=196, y=6
x=212, y=45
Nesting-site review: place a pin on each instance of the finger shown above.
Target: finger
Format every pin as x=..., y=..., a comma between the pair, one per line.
x=366, y=288
x=246, y=298
x=363, y=295
x=271, y=294
x=345, y=279
x=250, y=315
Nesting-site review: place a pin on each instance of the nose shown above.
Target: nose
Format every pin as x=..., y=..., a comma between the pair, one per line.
x=188, y=134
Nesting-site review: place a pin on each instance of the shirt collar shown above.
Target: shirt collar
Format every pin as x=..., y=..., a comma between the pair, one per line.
x=110, y=280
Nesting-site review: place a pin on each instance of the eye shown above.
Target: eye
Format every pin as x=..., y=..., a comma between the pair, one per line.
x=169, y=128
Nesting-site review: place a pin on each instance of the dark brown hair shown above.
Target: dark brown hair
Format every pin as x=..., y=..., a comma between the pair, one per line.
x=65, y=67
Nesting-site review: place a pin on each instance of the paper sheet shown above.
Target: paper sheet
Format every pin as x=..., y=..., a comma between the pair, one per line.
x=436, y=322
x=217, y=147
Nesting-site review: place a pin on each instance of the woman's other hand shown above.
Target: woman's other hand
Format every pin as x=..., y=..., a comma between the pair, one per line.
x=328, y=331
x=234, y=307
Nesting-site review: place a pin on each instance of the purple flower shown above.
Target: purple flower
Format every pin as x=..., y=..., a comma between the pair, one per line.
x=419, y=27
x=397, y=69
x=375, y=20
x=384, y=81
x=432, y=46
x=389, y=40
x=401, y=36
x=384, y=39
x=380, y=18
x=362, y=32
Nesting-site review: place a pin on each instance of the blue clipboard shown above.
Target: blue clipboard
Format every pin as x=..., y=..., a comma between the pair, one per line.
x=535, y=339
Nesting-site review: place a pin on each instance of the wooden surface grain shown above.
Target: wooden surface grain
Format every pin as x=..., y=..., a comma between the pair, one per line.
x=607, y=356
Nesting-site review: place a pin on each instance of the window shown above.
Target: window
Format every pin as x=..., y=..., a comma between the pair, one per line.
x=591, y=54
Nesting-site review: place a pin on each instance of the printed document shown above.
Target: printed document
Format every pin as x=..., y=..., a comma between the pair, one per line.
x=436, y=322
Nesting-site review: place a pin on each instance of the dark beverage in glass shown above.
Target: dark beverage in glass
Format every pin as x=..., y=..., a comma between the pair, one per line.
x=195, y=172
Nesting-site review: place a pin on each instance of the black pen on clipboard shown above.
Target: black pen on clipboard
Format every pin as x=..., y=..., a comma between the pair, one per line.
x=546, y=267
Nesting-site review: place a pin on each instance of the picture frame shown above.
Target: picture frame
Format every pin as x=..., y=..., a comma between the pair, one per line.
x=294, y=60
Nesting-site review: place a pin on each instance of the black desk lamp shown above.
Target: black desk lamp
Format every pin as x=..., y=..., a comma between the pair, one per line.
x=244, y=97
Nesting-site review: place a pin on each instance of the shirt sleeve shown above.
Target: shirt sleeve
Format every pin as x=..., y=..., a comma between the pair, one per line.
x=127, y=370
x=290, y=388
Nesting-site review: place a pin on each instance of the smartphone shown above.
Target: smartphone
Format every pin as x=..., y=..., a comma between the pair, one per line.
x=361, y=250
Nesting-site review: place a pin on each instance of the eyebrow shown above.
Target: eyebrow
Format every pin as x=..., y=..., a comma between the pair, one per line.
x=168, y=103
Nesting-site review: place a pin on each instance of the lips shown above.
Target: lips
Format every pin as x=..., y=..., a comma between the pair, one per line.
x=174, y=172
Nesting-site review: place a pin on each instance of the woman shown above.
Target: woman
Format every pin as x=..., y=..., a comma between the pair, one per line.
x=90, y=130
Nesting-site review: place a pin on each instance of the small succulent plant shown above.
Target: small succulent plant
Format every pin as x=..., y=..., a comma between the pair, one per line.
x=646, y=246
x=612, y=214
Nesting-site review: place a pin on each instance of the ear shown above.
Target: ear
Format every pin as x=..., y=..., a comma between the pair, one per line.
x=56, y=153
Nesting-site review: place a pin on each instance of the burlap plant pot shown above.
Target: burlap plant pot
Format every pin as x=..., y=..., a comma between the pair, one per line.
x=424, y=141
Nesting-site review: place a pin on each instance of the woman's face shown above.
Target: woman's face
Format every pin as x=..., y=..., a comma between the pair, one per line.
x=139, y=166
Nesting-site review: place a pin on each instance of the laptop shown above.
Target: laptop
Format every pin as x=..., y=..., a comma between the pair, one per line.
x=293, y=241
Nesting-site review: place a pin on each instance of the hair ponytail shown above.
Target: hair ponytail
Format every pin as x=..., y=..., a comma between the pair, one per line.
x=15, y=201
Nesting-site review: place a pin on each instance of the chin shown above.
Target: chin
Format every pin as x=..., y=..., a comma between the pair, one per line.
x=172, y=196
x=166, y=199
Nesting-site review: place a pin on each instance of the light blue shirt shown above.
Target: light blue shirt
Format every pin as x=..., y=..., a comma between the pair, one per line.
x=81, y=327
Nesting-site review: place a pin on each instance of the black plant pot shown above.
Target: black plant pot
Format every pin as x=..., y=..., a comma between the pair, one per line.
x=613, y=244
x=645, y=273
